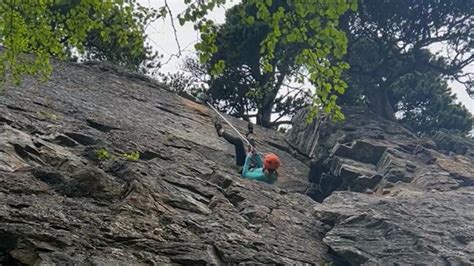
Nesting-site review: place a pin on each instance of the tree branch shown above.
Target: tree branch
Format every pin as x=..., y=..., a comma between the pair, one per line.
x=279, y=123
x=175, y=32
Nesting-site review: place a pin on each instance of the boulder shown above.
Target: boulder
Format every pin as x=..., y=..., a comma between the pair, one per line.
x=411, y=227
x=388, y=196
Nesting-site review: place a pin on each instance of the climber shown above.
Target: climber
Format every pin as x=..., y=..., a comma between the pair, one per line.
x=253, y=167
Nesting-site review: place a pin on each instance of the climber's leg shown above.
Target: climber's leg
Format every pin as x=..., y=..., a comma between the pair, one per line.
x=239, y=147
x=237, y=142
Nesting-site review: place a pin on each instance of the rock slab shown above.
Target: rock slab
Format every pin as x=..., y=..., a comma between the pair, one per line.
x=70, y=196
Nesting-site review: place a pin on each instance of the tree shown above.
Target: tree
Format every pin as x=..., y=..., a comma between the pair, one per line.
x=281, y=39
x=106, y=30
x=238, y=89
x=265, y=45
x=130, y=50
x=425, y=103
x=388, y=40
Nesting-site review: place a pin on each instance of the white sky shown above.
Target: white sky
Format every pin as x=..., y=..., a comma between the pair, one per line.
x=161, y=37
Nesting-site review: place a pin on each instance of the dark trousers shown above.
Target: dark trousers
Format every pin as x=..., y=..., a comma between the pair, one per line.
x=239, y=148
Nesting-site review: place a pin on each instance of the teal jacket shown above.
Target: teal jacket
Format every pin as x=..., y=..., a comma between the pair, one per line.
x=257, y=172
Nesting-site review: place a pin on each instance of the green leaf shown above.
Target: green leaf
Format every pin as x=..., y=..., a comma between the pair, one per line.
x=250, y=20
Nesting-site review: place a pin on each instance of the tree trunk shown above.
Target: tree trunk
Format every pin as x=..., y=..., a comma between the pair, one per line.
x=380, y=104
x=264, y=116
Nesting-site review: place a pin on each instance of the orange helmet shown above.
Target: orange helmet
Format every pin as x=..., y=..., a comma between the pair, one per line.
x=271, y=162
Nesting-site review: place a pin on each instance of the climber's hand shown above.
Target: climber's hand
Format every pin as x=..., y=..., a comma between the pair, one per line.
x=252, y=150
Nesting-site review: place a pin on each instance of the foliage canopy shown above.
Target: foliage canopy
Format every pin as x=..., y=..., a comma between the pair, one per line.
x=392, y=68
x=111, y=30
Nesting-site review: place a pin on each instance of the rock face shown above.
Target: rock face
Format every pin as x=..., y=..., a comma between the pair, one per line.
x=102, y=167
x=389, y=196
x=407, y=228
x=181, y=202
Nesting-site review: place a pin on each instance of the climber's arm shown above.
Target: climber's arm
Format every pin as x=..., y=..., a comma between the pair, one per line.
x=257, y=158
x=256, y=174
